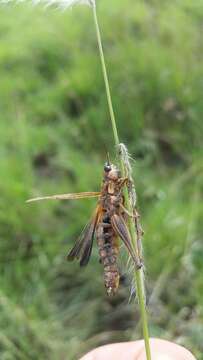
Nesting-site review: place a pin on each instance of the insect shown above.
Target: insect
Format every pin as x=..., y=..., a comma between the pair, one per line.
x=107, y=224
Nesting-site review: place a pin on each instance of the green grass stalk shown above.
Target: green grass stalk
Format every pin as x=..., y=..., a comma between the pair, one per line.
x=138, y=274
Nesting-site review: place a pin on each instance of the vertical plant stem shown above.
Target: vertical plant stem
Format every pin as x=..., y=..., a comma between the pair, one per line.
x=106, y=80
x=138, y=273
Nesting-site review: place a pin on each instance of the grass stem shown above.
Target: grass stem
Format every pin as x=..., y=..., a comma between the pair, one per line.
x=106, y=80
x=138, y=274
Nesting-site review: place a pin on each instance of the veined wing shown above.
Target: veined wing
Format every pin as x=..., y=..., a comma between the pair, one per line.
x=83, y=246
x=121, y=230
x=74, y=196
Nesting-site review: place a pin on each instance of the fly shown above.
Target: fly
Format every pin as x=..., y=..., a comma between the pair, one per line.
x=107, y=224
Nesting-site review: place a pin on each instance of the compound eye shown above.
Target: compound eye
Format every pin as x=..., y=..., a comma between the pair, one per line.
x=107, y=167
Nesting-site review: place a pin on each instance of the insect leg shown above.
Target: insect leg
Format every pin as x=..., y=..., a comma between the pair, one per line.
x=121, y=230
x=138, y=227
x=127, y=212
x=123, y=181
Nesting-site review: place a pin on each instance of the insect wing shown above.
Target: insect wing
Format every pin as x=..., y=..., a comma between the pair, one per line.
x=121, y=230
x=74, y=196
x=83, y=246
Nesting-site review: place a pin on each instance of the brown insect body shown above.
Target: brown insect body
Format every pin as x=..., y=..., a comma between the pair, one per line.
x=108, y=251
x=107, y=239
x=108, y=224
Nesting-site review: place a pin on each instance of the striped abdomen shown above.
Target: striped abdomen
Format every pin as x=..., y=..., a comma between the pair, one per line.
x=108, y=251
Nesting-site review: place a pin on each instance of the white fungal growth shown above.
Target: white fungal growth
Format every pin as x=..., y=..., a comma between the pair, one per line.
x=123, y=151
x=126, y=158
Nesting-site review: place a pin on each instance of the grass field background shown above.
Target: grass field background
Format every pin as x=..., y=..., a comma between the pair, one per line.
x=54, y=135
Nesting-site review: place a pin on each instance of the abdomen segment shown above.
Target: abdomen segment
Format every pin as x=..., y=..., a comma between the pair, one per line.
x=108, y=251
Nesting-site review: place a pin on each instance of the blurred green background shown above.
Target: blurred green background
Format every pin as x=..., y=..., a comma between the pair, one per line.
x=54, y=134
